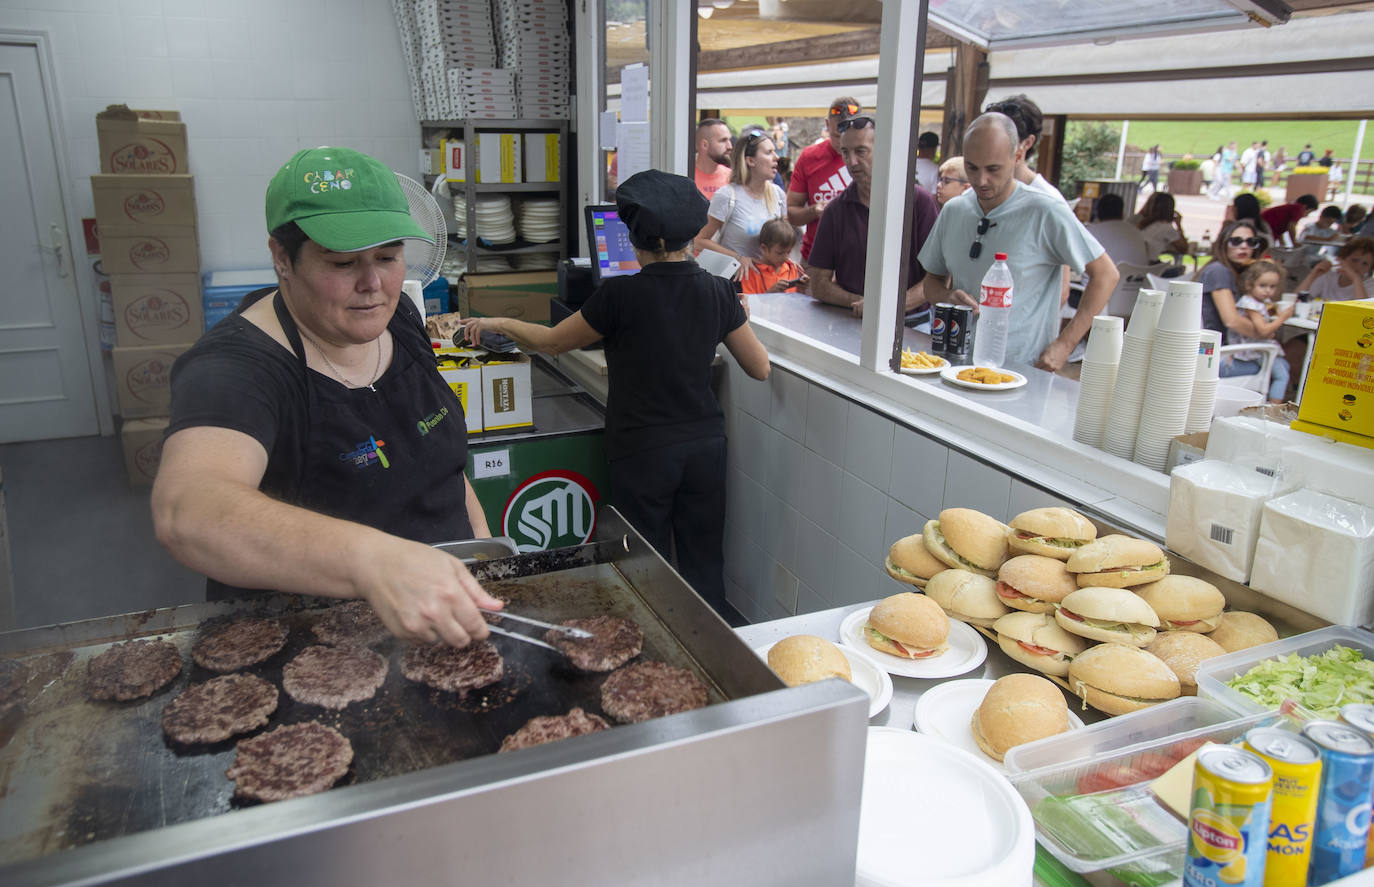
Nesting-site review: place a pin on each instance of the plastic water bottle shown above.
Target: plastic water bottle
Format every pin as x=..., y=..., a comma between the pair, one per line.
x=1204, y=246
x=994, y=315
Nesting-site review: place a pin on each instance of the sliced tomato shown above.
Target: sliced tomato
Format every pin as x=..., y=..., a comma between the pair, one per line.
x=1070, y=614
x=913, y=654
x=1184, y=621
x=1006, y=591
x=1039, y=651
x=1023, y=535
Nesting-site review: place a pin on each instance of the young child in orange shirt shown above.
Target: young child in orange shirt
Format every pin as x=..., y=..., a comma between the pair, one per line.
x=773, y=271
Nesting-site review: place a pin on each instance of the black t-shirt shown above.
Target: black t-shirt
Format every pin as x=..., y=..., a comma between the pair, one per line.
x=391, y=458
x=661, y=328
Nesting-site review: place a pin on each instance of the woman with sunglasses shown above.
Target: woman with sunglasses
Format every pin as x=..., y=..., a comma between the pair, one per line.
x=1238, y=246
x=739, y=209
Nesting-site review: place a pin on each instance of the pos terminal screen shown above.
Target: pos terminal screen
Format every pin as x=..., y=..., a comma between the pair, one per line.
x=611, y=252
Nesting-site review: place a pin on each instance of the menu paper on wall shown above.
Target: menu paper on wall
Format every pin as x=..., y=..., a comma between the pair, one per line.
x=634, y=94
x=633, y=149
x=610, y=122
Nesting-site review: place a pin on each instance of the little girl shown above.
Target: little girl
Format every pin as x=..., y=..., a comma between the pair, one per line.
x=1254, y=322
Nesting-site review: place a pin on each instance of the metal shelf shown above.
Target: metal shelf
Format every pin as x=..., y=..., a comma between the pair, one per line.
x=527, y=249
x=493, y=123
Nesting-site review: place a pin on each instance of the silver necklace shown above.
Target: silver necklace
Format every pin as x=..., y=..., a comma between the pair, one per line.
x=376, y=371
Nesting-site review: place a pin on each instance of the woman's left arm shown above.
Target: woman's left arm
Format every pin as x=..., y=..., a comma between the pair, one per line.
x=476, y=516
x=572, y=332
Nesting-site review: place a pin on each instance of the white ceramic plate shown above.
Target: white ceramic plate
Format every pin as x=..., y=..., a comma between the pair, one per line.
x=935, y=816
x=918, y=371
x=966, y=651
x=866, y=676
x=951, y=375
x=945, y=712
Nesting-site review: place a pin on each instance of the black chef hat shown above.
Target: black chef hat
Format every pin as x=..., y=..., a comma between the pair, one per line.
x=659, y=206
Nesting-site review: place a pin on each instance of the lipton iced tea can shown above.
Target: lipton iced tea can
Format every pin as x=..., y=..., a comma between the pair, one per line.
x=1360, y=715
x=1342, y=826
x=1228, y=824
x=1297, y=766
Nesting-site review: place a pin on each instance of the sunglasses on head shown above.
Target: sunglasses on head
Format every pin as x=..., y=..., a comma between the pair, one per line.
x=1252, y=242
x=854, y=123
x=976, y=248
x=844, y=109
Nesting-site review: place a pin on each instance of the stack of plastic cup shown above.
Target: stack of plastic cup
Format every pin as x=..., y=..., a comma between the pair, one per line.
x=1173, y=365
x=1098, y=380
x=1124, y=418
x=1204, y=383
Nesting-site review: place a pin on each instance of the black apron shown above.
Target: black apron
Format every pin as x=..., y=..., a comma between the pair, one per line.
x=392, y=458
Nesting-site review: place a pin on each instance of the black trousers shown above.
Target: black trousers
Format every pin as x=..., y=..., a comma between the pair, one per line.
x=676, y=495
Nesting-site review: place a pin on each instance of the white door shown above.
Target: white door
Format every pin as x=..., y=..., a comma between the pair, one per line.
x=45, y=370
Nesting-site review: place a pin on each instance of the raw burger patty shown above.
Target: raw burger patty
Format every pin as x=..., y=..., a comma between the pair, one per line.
x=239, y=644
x=132, y=670
x=219, y=708
x=333, y=676
x=354, y=622
x=538, y=731
x=459, y=669
x=614, y=642
x=650, y=690
x=290, y=761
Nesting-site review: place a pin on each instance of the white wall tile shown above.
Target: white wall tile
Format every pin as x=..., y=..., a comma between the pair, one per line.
x=750, y=510
x=863, y=518
x=1024, y=497
x=189, y=38
x=780, y=522
x=868, y=445
x=857, y=579
x=144, y=36
x=809, y=600
x=101, y=36
x=784, y=588
x=816, y=557
x=818, y=491
x=917, y=477
x=901, y=522
x=973, y=484
x=192, y=78
x=232, y=39
x=826, y=416
x=753, y=396
x=785, y=468
x=788, y=409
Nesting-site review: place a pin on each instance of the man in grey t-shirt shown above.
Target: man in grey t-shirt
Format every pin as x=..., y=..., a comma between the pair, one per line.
x=1038, y=234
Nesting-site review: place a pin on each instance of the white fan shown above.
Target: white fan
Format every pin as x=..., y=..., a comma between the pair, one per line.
x=422, y=259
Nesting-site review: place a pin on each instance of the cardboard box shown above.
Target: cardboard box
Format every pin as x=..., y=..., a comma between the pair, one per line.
x=143, y=379
x=141, y=142
x=506, y=393
x=1339, y=393
x=498, y=156
x=157, y=309
x=142, y=440
x=137, y=201
x=151, y=250
x=1186, y=448
x=524, y=295
x=542, y=157
x=466, y=382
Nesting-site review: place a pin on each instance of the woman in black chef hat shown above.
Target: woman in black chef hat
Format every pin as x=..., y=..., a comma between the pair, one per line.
x=665, y=432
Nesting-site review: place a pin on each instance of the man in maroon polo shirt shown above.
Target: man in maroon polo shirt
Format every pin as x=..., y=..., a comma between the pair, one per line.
x=819, y=174
x=840, y=253
x=1284, y=218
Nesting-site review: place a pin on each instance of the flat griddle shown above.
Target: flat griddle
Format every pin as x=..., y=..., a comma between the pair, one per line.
x=75, y=772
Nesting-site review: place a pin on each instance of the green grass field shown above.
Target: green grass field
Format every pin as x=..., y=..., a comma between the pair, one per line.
x=1200, y=137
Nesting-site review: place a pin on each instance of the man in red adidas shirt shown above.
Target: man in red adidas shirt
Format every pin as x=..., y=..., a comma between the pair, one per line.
x=819, y=174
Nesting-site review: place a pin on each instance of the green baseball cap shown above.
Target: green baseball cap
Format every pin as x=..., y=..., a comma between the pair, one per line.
x=342, y=199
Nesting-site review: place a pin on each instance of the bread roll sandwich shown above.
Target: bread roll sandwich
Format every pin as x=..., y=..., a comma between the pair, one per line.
x=1184, y=603
x=1036, y=640
x=804, y=658
x=1108, y=614
x=967, y=597
x=1118, y=562
x=967, y=540
x=910, y=561
x=1239, y=630
x=1183, y=652
x=1034, y=583
x=908, y=625
x=1052, y=532
x=1018, y=708
x=1116, y=679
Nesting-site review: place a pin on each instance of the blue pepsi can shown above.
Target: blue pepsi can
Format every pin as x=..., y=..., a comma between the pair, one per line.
x=1342, y=827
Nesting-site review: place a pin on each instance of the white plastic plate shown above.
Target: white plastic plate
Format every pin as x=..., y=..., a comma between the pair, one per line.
x=865, y=675
x=966, y=651
x=945, y=712
x=951, y=375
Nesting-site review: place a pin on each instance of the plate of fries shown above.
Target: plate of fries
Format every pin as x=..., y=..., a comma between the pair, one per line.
x=921, y=363
x=982, y=378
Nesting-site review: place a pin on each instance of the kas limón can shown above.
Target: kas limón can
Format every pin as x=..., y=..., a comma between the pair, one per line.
x=1342, y=827
x=1228, y=825
x=1297, y=766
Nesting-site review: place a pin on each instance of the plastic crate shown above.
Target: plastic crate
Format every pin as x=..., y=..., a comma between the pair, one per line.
x=1213, y=674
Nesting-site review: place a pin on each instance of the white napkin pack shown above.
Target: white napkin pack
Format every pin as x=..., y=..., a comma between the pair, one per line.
x=1214, y=514
x=1252, y=443
x=1316, y=552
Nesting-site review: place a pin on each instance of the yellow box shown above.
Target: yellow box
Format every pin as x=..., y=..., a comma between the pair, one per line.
x=142, y=441
x=466, y=382
x=499, y=157
x=1336, y=434
x=542, y=157
x=506, y=393
x=1339, y=393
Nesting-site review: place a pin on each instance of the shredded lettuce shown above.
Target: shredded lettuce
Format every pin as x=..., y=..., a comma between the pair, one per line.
x=1321, y=683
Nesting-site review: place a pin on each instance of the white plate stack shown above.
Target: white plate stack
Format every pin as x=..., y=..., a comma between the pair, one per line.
x=537, y=219
x=1204, y=383
x=1173, y=364
x=1123, y=419
x=495, y=220
x=1098, y=379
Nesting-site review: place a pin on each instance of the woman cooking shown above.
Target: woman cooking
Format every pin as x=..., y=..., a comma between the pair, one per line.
x=1238, y=245
x=312, y=447
x=665, y=432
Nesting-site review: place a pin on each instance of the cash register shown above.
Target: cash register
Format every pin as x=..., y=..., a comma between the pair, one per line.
x=611, y=255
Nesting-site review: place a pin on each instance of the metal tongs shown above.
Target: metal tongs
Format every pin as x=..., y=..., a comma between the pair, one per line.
x=577, y=633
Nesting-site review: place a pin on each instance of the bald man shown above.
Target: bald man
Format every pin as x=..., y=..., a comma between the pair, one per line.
x=1038, y=234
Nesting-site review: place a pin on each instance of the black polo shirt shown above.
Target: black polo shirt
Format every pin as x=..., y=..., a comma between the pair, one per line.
x=842, y=239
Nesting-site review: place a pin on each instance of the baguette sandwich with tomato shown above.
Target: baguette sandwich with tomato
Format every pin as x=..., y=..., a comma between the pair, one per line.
x=1113, y=615
x=1036, y=640
x=965, y=539
x=1034, y=583
x=909, y=561
x=1184, y=603
x=1052, y=532
x=907, y=625
x=966, y=596
x=1118, y=562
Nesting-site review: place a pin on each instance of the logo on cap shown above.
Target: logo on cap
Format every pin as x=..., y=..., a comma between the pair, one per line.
x=322, y=181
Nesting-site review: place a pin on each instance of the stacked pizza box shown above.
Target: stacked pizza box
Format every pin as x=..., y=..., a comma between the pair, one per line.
x=536, y=47
x=145, y=210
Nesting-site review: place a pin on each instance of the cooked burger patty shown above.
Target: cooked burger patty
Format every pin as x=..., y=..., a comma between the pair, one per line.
x=290, y=761
x=538, y=731
x=239, y=644
x=614, y=642
x=132, y=670
x=650, y=690
x=353, y=622
x=219, y=708
x=333, y=676
x=458, y=669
